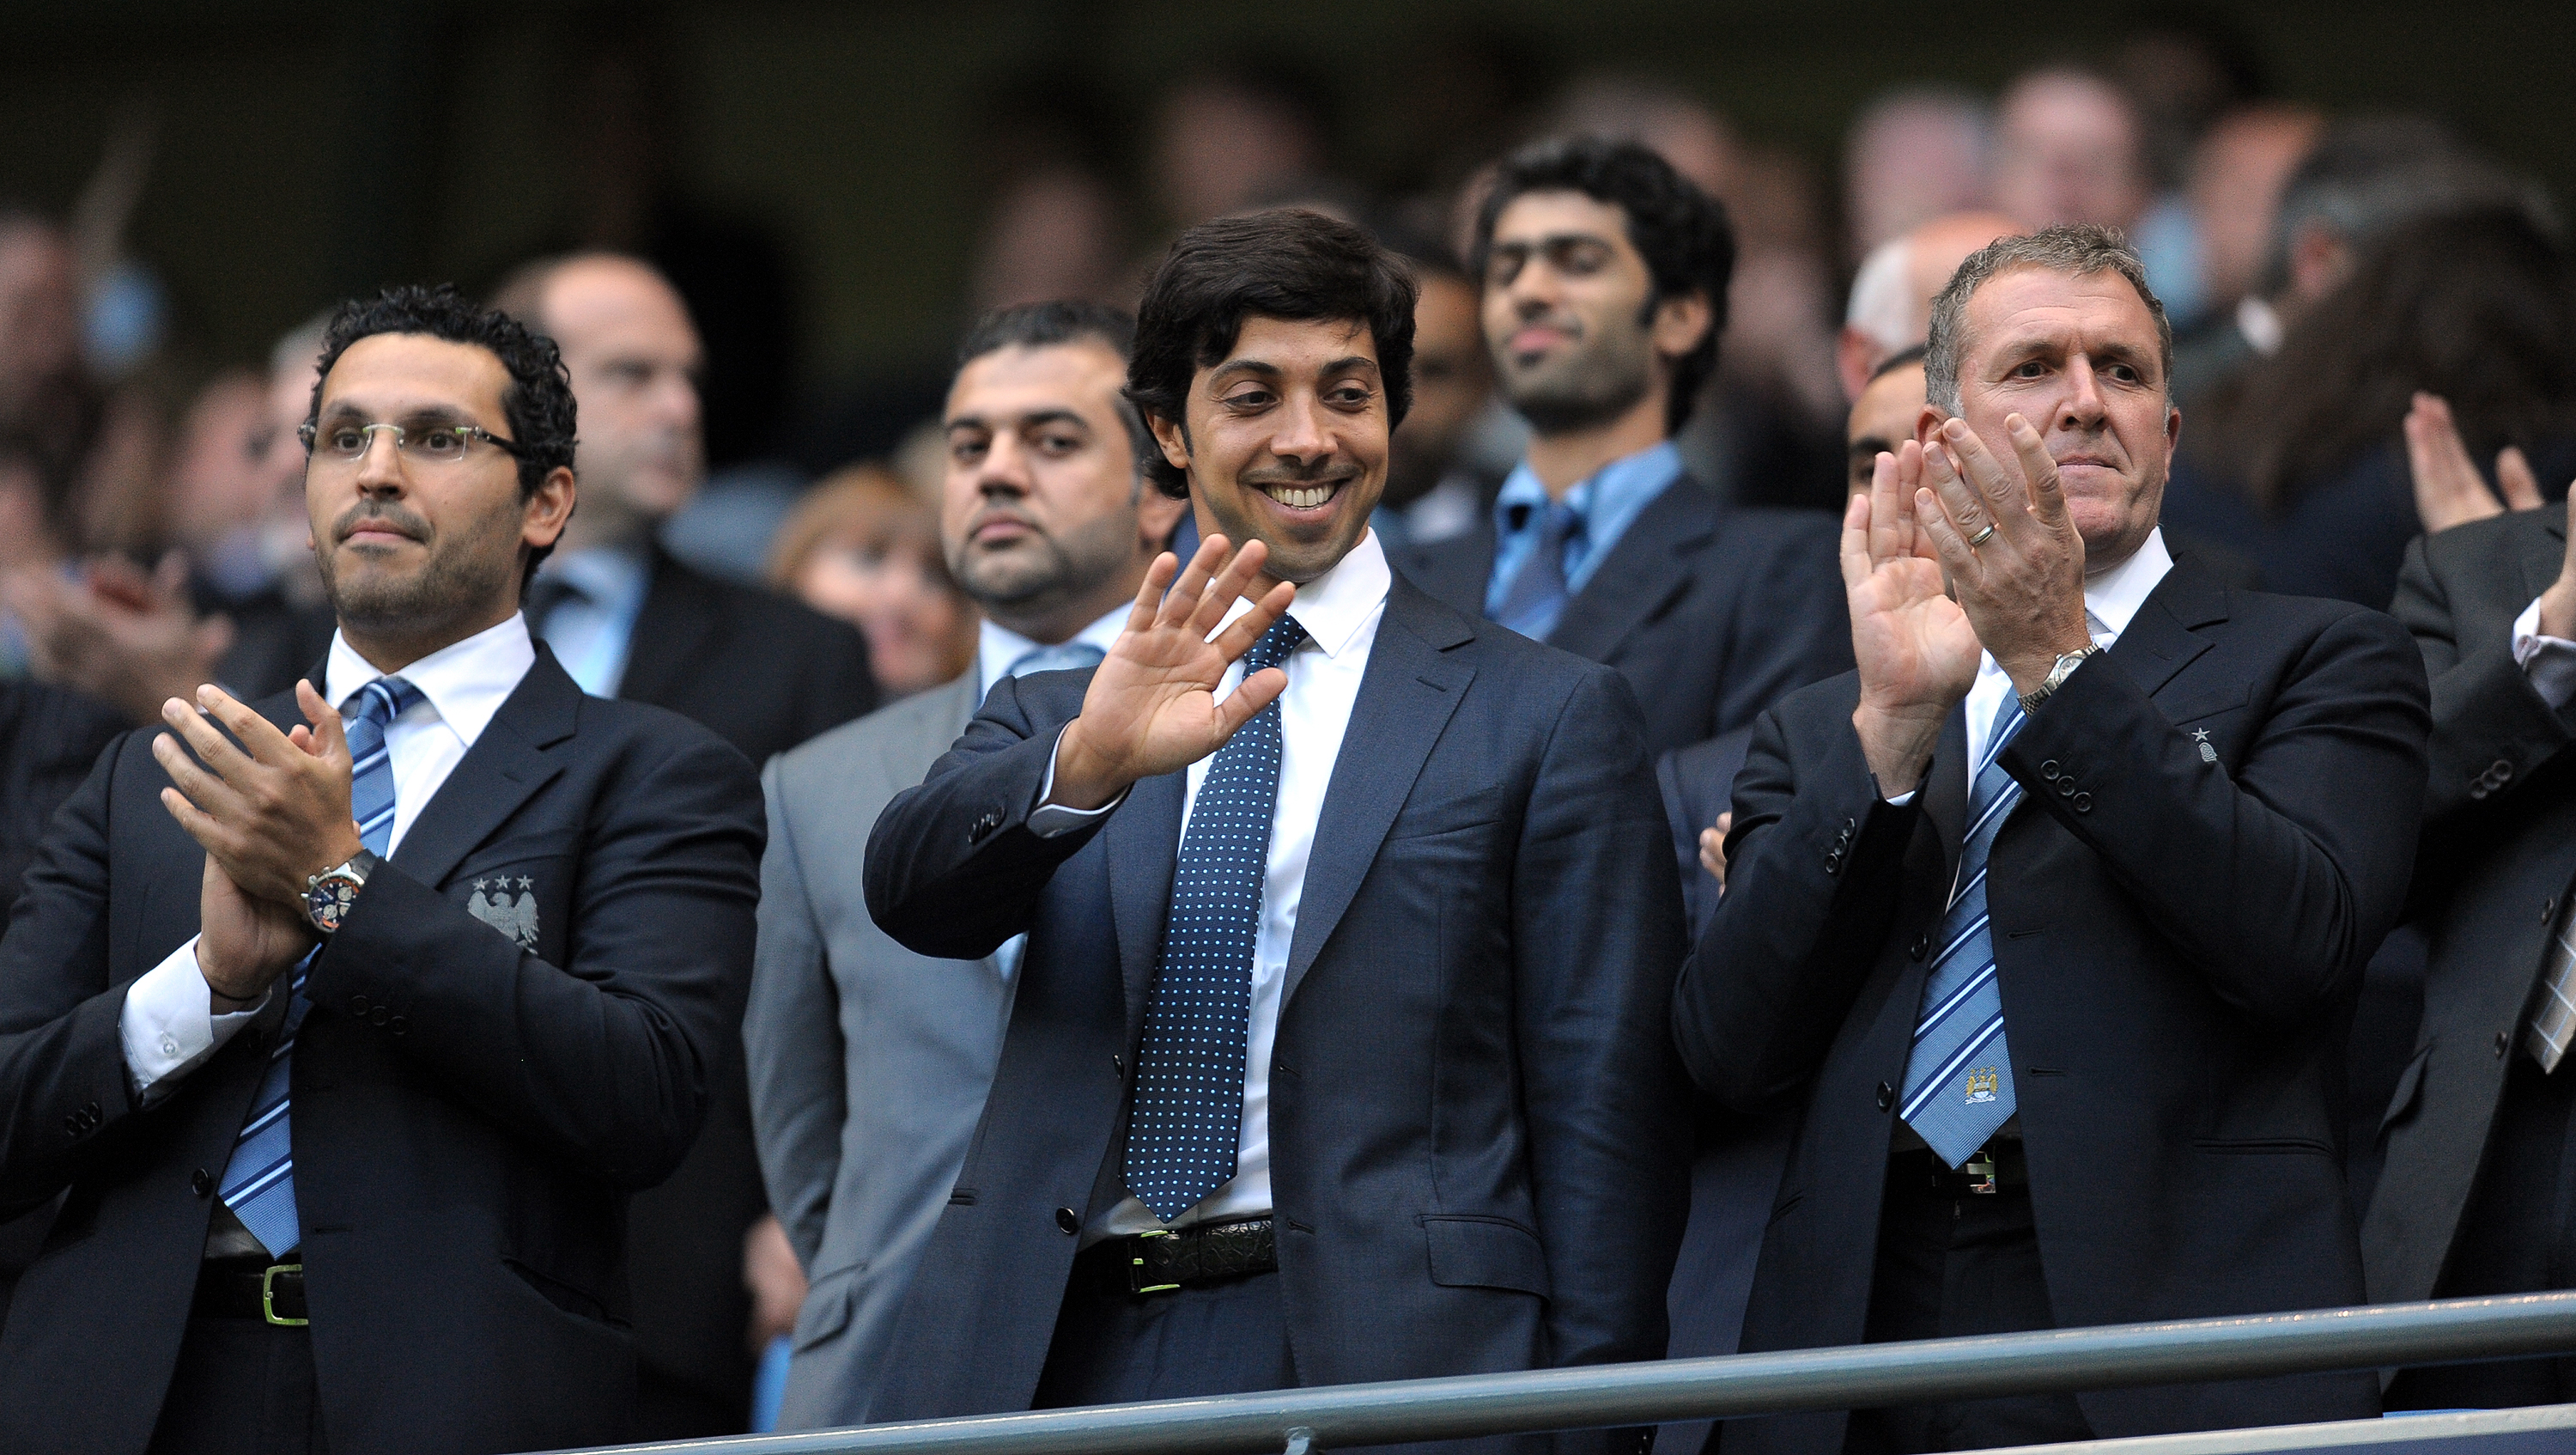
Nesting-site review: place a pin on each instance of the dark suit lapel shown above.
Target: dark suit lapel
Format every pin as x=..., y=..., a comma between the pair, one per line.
x=1650, y=565
x=1455, y=572
x=1406, y=698
x=506, y=765
x=1143, y=841
x=2161, y=639
x=675, y=623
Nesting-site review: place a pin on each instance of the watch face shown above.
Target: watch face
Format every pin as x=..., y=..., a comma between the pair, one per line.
x=328, y=901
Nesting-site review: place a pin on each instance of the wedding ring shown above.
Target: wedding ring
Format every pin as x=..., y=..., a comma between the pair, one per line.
x=1981, y=537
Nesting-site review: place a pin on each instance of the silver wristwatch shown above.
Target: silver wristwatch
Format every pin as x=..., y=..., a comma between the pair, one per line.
x=329, y=894
x=2056, y=678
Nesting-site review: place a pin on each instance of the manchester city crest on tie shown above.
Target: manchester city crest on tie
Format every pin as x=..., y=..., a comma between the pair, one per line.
x=516, y=918
x=1983, y=1085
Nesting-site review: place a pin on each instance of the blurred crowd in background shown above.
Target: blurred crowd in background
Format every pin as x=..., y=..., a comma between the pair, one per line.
x=2321, y=270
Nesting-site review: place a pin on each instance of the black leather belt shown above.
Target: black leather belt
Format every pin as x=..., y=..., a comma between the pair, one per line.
x=1161, y=1262
x=1997, y=1167
x=270, y=1292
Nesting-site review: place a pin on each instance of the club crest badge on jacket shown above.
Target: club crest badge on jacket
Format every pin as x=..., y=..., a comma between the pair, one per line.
x=516, y=918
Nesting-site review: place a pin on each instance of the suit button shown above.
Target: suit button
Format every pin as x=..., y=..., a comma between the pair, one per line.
x=2048, y=769
x=1117, y=1063
x=2503, y=1043
x=201, y=1182
x=1886, y=1096
x=1067, y=1221
x=2066, y=786
x=2502, y=772
x=379, y=1016
x=1834, y=862
x=2083, y=803
x=72, y=1125
x=1849, y=825
x=2477, y=788
x=397, y=1025
x=357, y=1005
x=1922, y=946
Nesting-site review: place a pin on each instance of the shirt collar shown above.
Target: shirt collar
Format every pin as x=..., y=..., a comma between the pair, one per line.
x=2115, y=596
x=465, y=682
x=1336, y=607
x=1630, y=478
x=997, y=646
x=613, y=577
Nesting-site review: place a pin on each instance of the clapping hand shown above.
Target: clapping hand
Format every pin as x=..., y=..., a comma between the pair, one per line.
x=1152, y=707
x=269, y=813
x=2448, y=491
x=1916, y=651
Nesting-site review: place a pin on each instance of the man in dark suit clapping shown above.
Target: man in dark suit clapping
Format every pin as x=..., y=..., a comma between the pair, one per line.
x=2053, y=914
x=348, y=1020
x=1336, y=1052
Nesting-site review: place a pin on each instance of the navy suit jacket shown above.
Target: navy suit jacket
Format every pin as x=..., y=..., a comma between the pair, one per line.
x=1710, y=611
x=470, y=1112
x=1476, y=1122
x=2178, y=937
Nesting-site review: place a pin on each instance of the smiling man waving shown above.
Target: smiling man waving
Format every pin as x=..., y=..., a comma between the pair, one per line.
x=1339, y=1049
x=2052, y=915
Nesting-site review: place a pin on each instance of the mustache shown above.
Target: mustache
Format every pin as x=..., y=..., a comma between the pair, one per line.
x=382, y=513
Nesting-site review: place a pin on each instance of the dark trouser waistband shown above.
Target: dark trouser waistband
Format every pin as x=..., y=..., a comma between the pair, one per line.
x=1997, y=1167
x=1161, y=1262
x=270, y=1292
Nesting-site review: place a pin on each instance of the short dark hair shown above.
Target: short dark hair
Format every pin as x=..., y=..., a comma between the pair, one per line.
x=1681, y=232
x=537, y=402
x=1288, y=264
x=1055, y=323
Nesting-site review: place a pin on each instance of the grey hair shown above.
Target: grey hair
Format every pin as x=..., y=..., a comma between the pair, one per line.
x=2079, y=250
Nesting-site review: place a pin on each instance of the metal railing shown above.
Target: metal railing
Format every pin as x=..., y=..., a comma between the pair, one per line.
x=1299, y=1421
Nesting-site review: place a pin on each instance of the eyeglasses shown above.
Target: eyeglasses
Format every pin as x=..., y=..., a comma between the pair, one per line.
x=433, y=444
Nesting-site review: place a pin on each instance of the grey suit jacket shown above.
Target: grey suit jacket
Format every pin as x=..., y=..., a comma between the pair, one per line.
x=2498, y=852
x=869, y=1063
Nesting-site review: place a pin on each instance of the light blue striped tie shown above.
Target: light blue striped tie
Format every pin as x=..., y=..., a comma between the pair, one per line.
x=1958, y=1078
x=259, y=1180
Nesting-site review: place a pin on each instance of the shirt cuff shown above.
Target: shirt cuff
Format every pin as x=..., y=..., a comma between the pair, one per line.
x=1053, y=820
x=2548, y=662
x=168, y=1025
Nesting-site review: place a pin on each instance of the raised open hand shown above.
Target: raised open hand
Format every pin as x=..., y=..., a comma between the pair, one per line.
x=2448, y=491
x=1152, y=707
x=1916, y=651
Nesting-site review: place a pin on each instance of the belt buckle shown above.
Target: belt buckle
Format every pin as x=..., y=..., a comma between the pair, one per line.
x=1981, y=1172
x=1136, y=1266
x=268, y=1295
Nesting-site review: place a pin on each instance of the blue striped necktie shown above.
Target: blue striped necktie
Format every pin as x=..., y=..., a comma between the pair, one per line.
x=1188, y=1119
x=259, y=1180
x=1958, y=1078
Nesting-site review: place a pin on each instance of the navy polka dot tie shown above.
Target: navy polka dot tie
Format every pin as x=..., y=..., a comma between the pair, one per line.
x=1188, y=1116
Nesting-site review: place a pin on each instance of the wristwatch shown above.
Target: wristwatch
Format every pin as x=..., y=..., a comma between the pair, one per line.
x=329, y=894
x=2056, y=678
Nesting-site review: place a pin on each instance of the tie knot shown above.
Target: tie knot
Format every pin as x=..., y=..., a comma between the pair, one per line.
x=381, y=701
x=1284, y=636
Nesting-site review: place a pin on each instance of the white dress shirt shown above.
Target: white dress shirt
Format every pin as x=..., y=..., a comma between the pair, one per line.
x=167, y=1023
x=2549, y=662
x=1340, y=611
